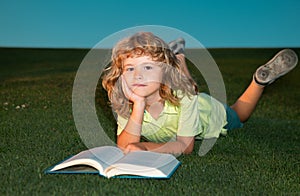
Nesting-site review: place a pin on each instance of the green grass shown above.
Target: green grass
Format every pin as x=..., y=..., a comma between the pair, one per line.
x=263, y=157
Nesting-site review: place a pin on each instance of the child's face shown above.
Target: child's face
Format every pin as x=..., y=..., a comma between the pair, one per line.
x=143, y=76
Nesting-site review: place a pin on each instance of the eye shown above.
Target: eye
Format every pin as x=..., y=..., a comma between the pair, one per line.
x=148, y=67
x=129, y=69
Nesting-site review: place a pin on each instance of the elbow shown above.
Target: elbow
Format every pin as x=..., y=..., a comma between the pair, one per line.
x=122, y=147
x=187, y=145
x=188, y=150
x=121, y=143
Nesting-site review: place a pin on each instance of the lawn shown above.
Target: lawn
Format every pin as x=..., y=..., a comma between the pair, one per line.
x=37, y=129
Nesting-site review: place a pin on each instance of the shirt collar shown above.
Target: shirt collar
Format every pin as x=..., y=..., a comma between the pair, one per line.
x=170, y=109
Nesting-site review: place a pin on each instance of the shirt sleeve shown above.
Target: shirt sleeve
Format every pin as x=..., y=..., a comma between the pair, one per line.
x=188, y=124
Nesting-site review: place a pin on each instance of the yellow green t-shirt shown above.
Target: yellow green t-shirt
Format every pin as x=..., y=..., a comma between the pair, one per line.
x=199, y=115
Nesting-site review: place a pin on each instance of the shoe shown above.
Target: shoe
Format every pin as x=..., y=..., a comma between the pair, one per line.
x=177, y=46
x=283, y=62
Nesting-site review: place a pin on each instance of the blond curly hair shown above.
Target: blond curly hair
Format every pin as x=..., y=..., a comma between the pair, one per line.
x=145, y=44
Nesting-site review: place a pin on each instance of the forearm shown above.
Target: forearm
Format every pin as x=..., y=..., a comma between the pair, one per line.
x=176, y=147
x=126, y=138
x=132, y=130
x=169, y=147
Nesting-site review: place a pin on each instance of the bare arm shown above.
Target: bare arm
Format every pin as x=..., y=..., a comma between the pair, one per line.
x=129, y=139
x=183, y=145
x=133, y=128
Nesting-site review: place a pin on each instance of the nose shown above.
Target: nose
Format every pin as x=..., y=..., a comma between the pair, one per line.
x=138, y=74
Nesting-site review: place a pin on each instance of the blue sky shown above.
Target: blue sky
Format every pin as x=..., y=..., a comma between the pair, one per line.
x=82, y=24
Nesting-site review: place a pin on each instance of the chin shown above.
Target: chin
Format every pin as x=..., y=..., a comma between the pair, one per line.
x=141, y=94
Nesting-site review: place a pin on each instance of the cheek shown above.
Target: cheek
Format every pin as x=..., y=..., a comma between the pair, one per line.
x=127, y=77
x=154, y=77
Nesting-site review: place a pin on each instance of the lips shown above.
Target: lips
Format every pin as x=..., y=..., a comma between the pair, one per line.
x=139, y=85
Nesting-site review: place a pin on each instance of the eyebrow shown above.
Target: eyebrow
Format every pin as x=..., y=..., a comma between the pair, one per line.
x=145, y=63
x=126, y=65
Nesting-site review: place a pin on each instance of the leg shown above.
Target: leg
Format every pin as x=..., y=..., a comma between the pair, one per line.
x=185, y=70
x=283, y=62
x=178, y=46
x=183, y=67
x=247, y=102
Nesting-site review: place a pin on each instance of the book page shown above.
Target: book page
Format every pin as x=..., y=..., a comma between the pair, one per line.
x=144, y=163
x=99, y=157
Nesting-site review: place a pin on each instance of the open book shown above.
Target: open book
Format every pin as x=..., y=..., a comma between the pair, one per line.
x=109, y=161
